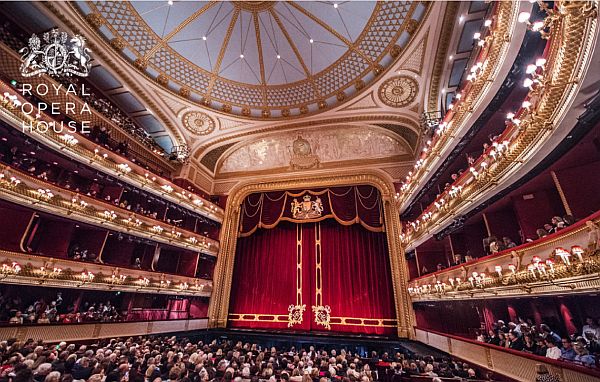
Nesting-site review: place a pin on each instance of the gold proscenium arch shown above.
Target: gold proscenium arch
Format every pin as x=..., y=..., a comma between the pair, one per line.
x=223, y=275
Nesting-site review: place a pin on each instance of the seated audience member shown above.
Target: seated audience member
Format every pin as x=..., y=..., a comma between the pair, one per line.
x=558, y=223
x=529, y=345
x=508, y=243
x=541, y=233
x=552, y=350
x=514, y=341
x=583, y=356
x=547, y=332
x=493, y=338
x=540, y=347
x=593, y=235
x=567, y=352
x=590, y=326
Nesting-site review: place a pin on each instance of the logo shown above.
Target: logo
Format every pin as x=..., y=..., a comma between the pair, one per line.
x=307, y=209
x=58, y=55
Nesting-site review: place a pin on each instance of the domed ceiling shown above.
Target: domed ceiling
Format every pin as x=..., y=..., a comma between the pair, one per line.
x=260, y=58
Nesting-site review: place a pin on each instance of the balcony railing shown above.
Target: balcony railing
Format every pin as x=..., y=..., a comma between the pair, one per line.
x=45, y=196
x=514, y=364
x=81, y=332
x=27, y=269
x=560, y=262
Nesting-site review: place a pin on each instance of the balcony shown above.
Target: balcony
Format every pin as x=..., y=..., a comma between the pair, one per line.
x=81, y=149
x=32, y=192
x=514, y=364
x=26, y=269
x=82, y=332
x=558, y=263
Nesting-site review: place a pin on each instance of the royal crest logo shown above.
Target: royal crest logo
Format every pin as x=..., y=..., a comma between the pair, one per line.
x=307, y=209
x=58, y=55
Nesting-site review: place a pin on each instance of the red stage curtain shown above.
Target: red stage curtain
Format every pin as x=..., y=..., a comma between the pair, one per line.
x=357, y=280
x=347, y=205
x=264, y=277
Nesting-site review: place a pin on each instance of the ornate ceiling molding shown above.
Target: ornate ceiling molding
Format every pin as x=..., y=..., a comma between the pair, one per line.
x=154, y=53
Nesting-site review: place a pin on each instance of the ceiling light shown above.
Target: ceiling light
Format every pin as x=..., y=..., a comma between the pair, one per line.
x=170, y=2
x=461, y=18
x=487, y=23
x=311, y=40
x=451, y=57
x=540, y=62
x=335, y=5
x=204, y=38
x=278, y=57
x=241, y=56
x=477, y=36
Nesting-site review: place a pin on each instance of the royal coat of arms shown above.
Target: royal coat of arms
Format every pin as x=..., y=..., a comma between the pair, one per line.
x=58, y=55
x=307, y=208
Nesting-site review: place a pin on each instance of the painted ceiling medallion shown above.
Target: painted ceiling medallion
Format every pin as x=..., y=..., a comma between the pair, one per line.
x=398, y=91
x=264, y=59
x=198, y=122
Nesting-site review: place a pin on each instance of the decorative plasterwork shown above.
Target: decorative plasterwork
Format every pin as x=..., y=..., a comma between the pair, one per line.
x=365, y=102
x=198, y=123
x=398, y=91
x=368, y=53
x=332, y=145
x=415, y=59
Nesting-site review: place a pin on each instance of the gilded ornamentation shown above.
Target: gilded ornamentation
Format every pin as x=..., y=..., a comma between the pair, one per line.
x=359, y=85
x=398, y=91
x=378, y=69
x=307, y=208
x=265, y=113
x=95, y=20
x=117, y=43
x=322, y=315
x=246, y=111
x=295, y=313
x=140, y=63
x=226, y=108
x=162, y=79
x=198, y=122
x=395, y=51
x=184, y=92
x=302, y=156
x=322, y=104
x=340, y=96
x=363, y=54
x=411, y=26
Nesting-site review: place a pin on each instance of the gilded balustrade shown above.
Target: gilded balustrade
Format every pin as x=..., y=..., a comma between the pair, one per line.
x=28, y=269
x=28, y=191
x=562, y=262
x=82, y=332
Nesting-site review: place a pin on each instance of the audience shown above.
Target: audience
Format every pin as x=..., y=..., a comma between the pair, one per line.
x=15, y=311
x=582, y=348
x=157, y=359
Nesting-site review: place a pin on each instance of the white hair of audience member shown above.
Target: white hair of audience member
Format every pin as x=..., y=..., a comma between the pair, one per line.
x=53, y=376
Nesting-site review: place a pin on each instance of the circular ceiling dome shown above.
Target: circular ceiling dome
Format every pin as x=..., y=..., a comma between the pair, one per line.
x=261, y=58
